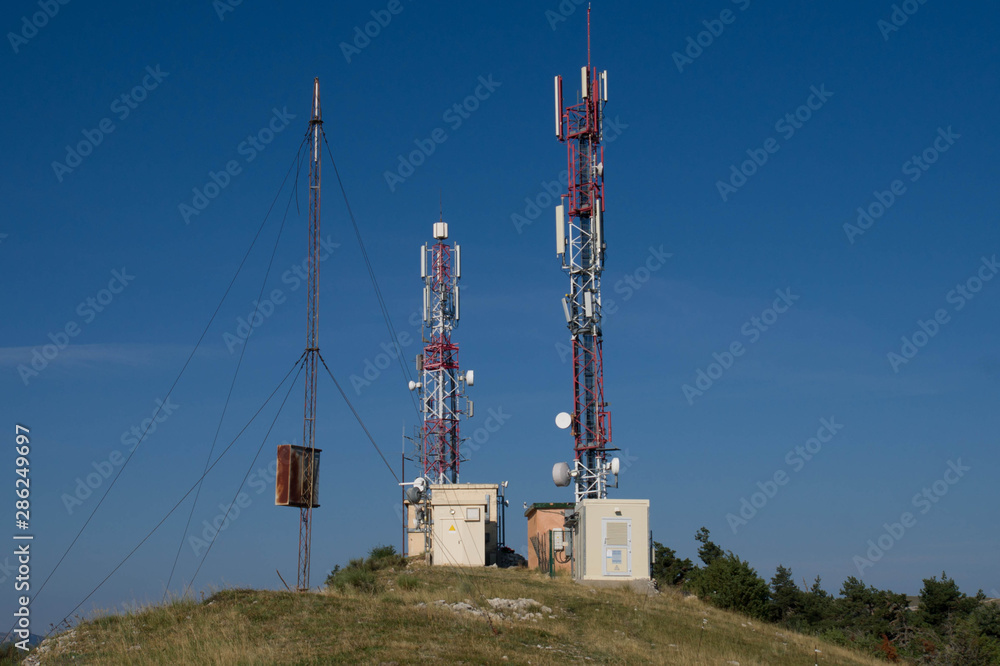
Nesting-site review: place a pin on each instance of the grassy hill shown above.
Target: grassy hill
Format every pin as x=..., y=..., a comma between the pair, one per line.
x=402, y=621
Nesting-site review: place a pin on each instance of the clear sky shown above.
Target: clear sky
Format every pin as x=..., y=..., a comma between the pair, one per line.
x=746, y=135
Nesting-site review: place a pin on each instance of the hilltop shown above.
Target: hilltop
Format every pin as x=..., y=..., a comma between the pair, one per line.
x=425, y=614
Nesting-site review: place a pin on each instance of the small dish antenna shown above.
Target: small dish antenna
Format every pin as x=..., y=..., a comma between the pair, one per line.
x=561, y=475
x=470, y=377
x=563, y=420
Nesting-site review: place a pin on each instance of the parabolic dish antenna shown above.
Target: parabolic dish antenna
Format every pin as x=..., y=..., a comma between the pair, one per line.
x=560, y=474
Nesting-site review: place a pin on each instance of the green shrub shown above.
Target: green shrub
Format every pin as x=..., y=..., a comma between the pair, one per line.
x=359, y=574
x=362, y=580
x=384, y=557
x=732, y=584
x=407, y=582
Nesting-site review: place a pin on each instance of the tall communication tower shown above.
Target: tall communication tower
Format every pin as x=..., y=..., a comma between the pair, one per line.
x=580, y=243
x=442, y=386
x=312, y=341
x=297, y=478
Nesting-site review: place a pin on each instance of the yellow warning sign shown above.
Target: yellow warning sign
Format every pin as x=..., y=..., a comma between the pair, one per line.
x=451, y=529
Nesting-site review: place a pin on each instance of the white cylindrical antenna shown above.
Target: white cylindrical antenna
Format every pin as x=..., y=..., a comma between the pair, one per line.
x=604, y=80
x=599, y=227
x=427, y=303
x=456, y=303
x=458, y=261
x=440, y=230
x=423, y=261
x=560, y=229
x=569, y=317
x=588, y=303
x=584, y=81
x=472, y=409
x=559, y=106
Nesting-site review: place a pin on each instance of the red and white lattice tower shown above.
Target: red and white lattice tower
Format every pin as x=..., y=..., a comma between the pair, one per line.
x=580, y=243
x=442, y=387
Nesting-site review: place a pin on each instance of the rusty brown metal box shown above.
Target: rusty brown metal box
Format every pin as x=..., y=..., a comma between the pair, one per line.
x=294, y=486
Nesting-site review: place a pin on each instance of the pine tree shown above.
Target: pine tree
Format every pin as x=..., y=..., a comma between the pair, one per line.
x=786, y=597
x=709, y=551
x=668, y=569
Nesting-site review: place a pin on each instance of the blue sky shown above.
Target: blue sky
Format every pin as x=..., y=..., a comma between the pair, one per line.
x=199, y=81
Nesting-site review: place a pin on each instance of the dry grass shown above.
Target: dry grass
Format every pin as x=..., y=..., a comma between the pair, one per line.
x=613, y=626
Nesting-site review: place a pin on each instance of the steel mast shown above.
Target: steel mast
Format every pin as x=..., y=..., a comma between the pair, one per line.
x=580, y=243
x=312, y=340
x=442, y=386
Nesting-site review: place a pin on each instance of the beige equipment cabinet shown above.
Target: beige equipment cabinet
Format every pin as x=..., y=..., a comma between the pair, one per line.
x=611, y=540
x=465, y=528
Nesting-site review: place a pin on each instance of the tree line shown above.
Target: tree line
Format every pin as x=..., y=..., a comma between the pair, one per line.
x=945, y=628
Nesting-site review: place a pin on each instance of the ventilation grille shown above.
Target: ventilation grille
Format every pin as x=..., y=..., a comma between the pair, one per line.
x=617, y=534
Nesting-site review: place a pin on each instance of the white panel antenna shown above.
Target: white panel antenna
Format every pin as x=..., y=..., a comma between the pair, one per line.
x=599, y=227
x=458, y=261
x=560, y=229
x=559, y=106
x=584, y=83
